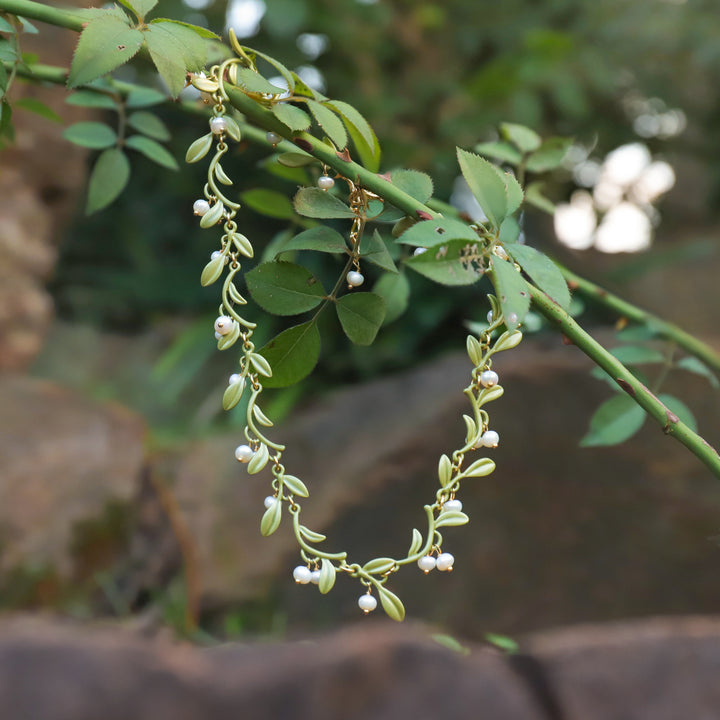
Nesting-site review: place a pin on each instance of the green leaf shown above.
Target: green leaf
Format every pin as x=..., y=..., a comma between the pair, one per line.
x=428, y=233
x=361, y=314
x=95, y=135
x=6, y=127
x=320, y=238
x=259, y=460
x=512, y=292
x=450, y=643
x=379, y=565
x=149, y=124
x=616, y=420
x=330, y=123
x=106, y=43
x=294, y=160
x=252, y=81
x=271, y=519
x=549, y=155
x=152, y=150
x=212, y=271
x=231, y=396
x=485, y=184
x=394, y=289
x=199, y=148
x=512, y=189
x=270, y=203
x=522, y=137
x=679, y=408
x=39, y=108
x=317, y=203
x=140, y=7
x=310, y=535
x=693, y=365
x=291, y=116
x=508, y=340
x=292, y=354
x=480, y=468
x=27, y=26
x=286, y=74
x=503, y=642
x=283, y=288
x=295, y=485
x=416, y=542
x=327, y=576
x=144, y=97
x=108, y=179
x=369, y=154
x=301, y=88
x=391, y=604
x=451, y=518
x=363, y=136
x=543, y=271
x=502, y=151
x=452, y=263
x=197, y=29
x=373, y=249
x=5, y=26
x=213, y=215
x=637, y=355
x=261, y=364
x=414, y=183
x=90, y=98
x=509, y=230
x=444, y=470
x=534, y=196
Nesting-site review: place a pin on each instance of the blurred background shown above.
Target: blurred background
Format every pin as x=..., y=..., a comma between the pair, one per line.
x=120, y=496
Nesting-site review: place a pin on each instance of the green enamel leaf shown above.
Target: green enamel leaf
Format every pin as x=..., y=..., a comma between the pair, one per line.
x=293, y=354
x=453, y=263
x=261, y=365
x=271, y=519
x=549, y=155
x=391, y=604
x=361, y=314
x=450, y=643
x=616, y=420
x=295, y=485
x=106, y=43
x=327, y=576
x=231, y=396
x=108, y=179
x=152, y=150
x=677, y=406
x=414, y=183
x=283, y=288
x=140, y=7
x=199, y=149
x=507, y=341
x=39, y=108
x=90, y=98
x=213, y=215
x=259, y=460
x=428, y=233
x=543, y=272
x=373, y=249
x=693, y=365
x=310, y=535
x=451, y=518
x=485, y=184
x=270, y=203
x=379, y=565
x=254, y=82
x=502, y=151
x=320, y=238
x=331, y=124
x=212, y=271
x=512, y=291
x=291, y=116
x=480, y=468
x=522, y=137
x=474, y=350
x=444, y=470
x=415, y=543
x=149, y=124
x=394, y=289
x=95, y=135
x=317, y=203
x=261, y=417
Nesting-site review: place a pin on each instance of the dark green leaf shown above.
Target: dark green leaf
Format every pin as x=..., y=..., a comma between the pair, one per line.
x=140, y=7
x=197, y=29
x=305, y=90
x=108, y=179
x=39, y=108
x=549, y=155
x=317, y=203
x=268, y=202
x=369, y=154
x=512, y=292
x=330, y=123
x=502, y=151
x=144, y=97
x=485, y=184
x=93, y=135
x=254, y=82
x=513, y=190
x=293, y=160
x=509, y=230
x=295, y=175
x=90, y=98
x=152, y=150
x=543, y=272
x=373, y=249
x=394, y=289
x=291, y=116
x=3, y=78
x=106, y=43
x=361, y=314
x=391, y=604
x=6, y=127
x=456, y=262
x=679, y=408
x=283, y=288
x=362, y=134
x=523, y=137
x=534, y=196
x=292, y=354
x=149, y=124
x=427, y=233
x=693, y=365
x=637, y=355
x=320, y=238
x=414, y=183
x=616, y=420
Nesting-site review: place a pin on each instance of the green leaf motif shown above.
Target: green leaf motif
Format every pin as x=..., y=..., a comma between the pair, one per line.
x=374, y=250
x=317, y=203
x=283, y=288
x=452, y=518
x=327, y=576
x=199, y=148
x=485, y=184
x=679, y=408
x=361, y=314
x=543, y=271
x=452, y=263
x=480, y=468
x=231, y=396
x=428, y=233
x=152, y=150
x=259, y=460
x=391, y=604
x=213, y=215
x=271, y=519
x=416, y=542
x=444, y=470
x=292, y=354
x=394, y=289
x=320, y=238
x=291, y=116
x=149, y=124
x=616, y=420
x=212, y=271
x=270, y=203
x=512, y=291
x=379, y=565
x=108, y=179
x=310, y=535
x=295, y=485
x=416, y=184
x=95, y=135
x=330, y=123
x=522, y=137
x=106, y=43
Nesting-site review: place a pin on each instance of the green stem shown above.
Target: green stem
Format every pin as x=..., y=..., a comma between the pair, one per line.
x=627, y=310
x=44, y=13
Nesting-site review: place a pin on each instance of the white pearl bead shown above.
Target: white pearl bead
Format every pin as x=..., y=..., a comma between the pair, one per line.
x=490, y=439
x=269, y=501
x=273, y=138
x=489, y=378
x=354, y=278
x=490, y=317
x=315, y=577
x=218, y=125
x=325, y=182
x=223, y=325
x=453, y=505
x=234, y=378
x=302, y=575
x=367, y=603
x=217, y=335
x=419, y=251
x=244, y=453
x=445, y=562
x=200, y=207
x=426, y=563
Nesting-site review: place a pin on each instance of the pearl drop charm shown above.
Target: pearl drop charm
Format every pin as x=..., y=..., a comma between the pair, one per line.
x=354, y=278
x=216, y=254
x=426, y=563
x=273, y=138
x=490, y=439
x=490, y=317
x=419, y=251
x=218, y=125
x=325, y=182
x=244, y=453
x=234, y=378
x=302, y=575
x=453, y=506
x=445, y=562
x=223, y=325
x=269, y=501
x=315, y=577
x=200, y=207
x=489, y=378
x=367, y=603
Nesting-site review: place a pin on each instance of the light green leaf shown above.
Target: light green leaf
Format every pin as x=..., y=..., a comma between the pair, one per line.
x=485, y=184
x=374, y=250
x=271, y=519
x=361, y=314
x=428, y=233
x=317, y=203
x=320, y=238
x=502, y=151
x=152, y=150
x=286, y=74
x=362, y=134
x=293, y=354
x=444, y=470
x=543, y=271
x=213, y=215
x=310, y=535
x=416, y=543
x=5, y=26
x=294, y=160
x=480, y=468
x=108, y=179
x=254, y=82
x=616, y=420
x=106, y=43
x=212, y=271
x=512, y=189
x=295, y=485
x=327, y=576
x=291, y=116
x=503, y=642
x=508, y=340
x=391, y=604
x=369, y=154
x=451, y=518
x=140, y=7
x=305, y=90
x=95, y=135
x=199, y=149
x=522, y=137
x=534, y=196
x=549, y=155
x=414, y=183
x=149, y=124
x=283, y=288
x=509, y=230
x=512, y=292
x=394, y=289
x=637, y=355
x=144, y=97
x=90, y=98
x=453, y=263
x=259, y=460
x=261, y=417
x=200, y=31
x=261, y=364
x=679, y=408
x=39, y=108
x=330, y=123
x=450, y=643
x=268, y=202
x=378, y=566
x=693, y=365
x=231, y=396
x=474, y=350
